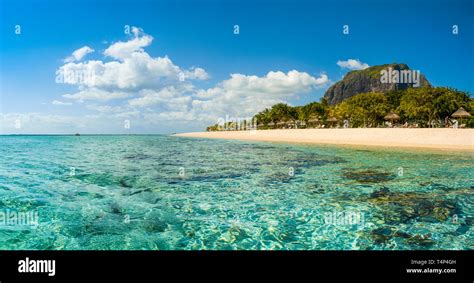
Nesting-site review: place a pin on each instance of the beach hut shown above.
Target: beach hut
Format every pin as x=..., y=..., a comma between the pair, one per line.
x=461, y=113
x=312, y=122
x=290, y=124
x=300, y=124
x=332, y=120
x=392, y=117
x=271, y=124
x=281, y=124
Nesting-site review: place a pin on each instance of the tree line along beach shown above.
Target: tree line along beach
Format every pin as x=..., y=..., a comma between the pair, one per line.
x=367, y=107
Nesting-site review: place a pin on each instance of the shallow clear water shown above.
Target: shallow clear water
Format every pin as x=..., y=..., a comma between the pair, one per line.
x=161, y=192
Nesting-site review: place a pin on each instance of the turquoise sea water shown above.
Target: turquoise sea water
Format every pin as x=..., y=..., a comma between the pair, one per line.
x=162, y=192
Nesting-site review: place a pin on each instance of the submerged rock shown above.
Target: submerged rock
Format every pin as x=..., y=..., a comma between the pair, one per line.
x=115, y=208
x=384, y=234
x=110, y=224
x=401, y=234
x=421, y=240
x=441, y=213
x=125, y=183
x=315, y=189
x=469, y=221
x=383, y=192
x=107, y=180
x=462, y=229
x=369, y=176
x=381, y=235
x=400, y=207
x=436, y=186
x=159, y=221
x=211, y=176
x=280, y=177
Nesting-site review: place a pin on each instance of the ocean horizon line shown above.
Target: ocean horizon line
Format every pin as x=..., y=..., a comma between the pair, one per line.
x=169, y=134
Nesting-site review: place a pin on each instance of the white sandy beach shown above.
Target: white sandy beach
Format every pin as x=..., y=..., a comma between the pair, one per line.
x=436, y=138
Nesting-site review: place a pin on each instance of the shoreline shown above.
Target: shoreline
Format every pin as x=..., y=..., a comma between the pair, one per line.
x=419, y=138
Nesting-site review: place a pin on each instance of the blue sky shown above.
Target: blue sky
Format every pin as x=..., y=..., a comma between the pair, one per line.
x=276, y=38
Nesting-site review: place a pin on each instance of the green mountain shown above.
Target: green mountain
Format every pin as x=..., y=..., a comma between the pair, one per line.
x=380, y=78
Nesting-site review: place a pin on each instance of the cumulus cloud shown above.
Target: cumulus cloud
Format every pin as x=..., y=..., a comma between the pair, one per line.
x=170, y=96
x=273, y=84
x=151, y=89
x=132, y=69
x=239, y=96
x=245, y=95
x=96, y=94
x=196, y=74
x=78, y=54
x=124, y=49
x=352, y=64
x=138, y=71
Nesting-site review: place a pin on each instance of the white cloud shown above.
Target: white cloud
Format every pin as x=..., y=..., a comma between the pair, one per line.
x=149, y=89
x=78, y=54
x=238, y=96
x=132, y=68
x=105, y=108
x=57, y=102
x=243, y=96
x=122, y=50
x=174, y=116
x=138, y=71
x=196, y=74
x=169, y=97
x=352, y=64
x=96, y=94
x=274, y=84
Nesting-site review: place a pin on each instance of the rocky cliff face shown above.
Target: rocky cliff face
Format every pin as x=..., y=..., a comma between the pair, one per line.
x=372, y=80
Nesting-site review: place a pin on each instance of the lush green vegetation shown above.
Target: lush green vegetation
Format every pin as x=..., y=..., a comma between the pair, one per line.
x=374, y=71
x=421, y=107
